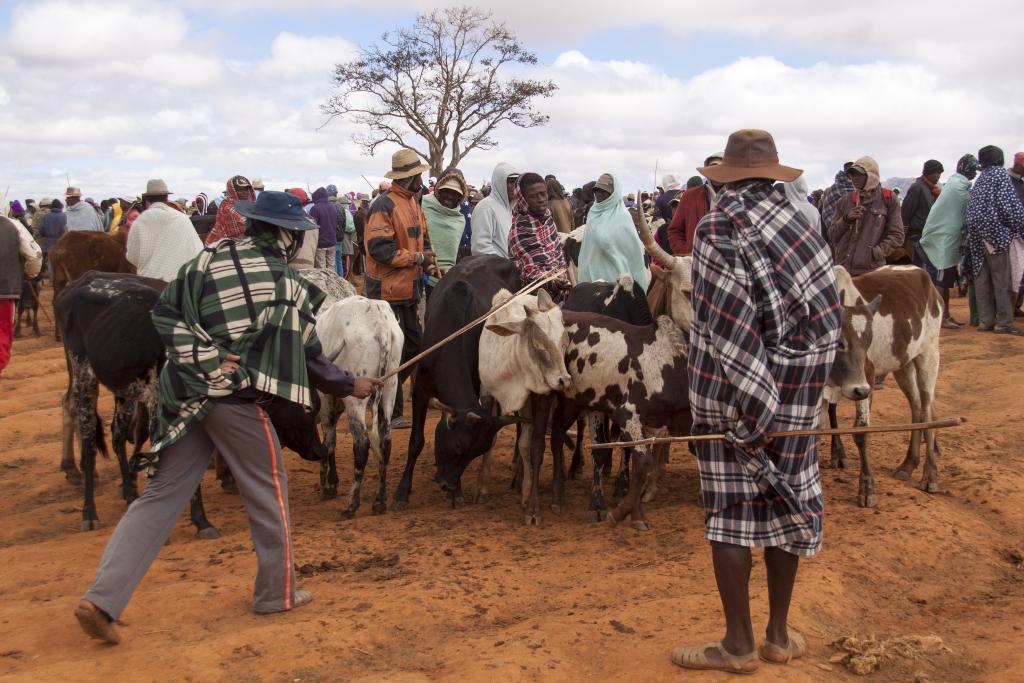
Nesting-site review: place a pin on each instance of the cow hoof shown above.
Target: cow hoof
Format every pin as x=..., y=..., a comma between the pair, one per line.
x=837, y=464
x=399, y=505
x=481, y=497
x=641, y=525
x=531, y=520
x=328, y=494
x=348, y=513
x=90, y=524
x=868, y=501
x=595, y=516
x=648, y=496
x=207, y=533
x=557, y=509
x=902, y=475
x=930, y=487
x=610, y=519
x=457, y=502
x=74, y=477
x=379, y=507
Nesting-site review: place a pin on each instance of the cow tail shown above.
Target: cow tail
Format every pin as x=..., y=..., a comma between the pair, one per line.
x=101, y=444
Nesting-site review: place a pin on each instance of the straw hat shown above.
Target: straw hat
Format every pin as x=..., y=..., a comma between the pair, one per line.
x=45, y=202
x=257, y=184
x=73, y=192
x=155, y=187
x=750, y=153
x=405, y=163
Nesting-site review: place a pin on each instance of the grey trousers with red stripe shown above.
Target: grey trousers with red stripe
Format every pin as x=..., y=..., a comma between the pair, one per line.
x=248, y=443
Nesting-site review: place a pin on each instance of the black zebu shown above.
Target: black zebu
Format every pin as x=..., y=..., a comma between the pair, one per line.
x=468, y=428
x=109, y=339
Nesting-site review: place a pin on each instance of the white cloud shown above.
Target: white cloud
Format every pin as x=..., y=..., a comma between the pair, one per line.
x=117, y=92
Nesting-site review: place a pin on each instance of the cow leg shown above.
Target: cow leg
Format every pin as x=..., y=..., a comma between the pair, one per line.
x=838, y=453
x=380, y=441
x=603, y=429
x=621, y=487
x=224, y=475
x=906, y=378
x=927, y=370
x=330, y=411
x=356, y=410
x=559, y=424
x=557, y=459
x=866, y=495
x=197, y=513
x=85, y=393
x=576, y=464
x=540, y=411
x=483, y=476
x=69, y=425
x=420, y=399
x=660, y=458
x=120, y=430
x=640, y=468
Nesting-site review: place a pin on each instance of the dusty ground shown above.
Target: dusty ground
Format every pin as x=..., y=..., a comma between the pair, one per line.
x=471, y=594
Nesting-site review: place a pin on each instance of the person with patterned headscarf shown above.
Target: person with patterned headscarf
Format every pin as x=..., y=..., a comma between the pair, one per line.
x=533, y=241
x=939, y=247
x=995, y=229
x=229, y=222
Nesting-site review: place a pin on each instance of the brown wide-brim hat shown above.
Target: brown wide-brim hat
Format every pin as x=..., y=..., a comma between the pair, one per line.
x=405, y=163
x=750, y=153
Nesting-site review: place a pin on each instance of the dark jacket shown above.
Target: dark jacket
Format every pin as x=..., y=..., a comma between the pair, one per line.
x=10, y=261
x=863, y=245
x=1018, y=185
x=916, y=206
x=326, y=216
x=663, y=207
x=53, y=227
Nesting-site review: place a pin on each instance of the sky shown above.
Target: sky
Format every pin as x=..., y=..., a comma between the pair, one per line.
x=108, y=94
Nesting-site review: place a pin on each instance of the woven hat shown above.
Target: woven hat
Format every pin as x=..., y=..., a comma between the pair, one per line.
x=405, y=163
x=155, y=186
x=45, y=202
x=73, y=192
x=750, y=153
x=257, y=184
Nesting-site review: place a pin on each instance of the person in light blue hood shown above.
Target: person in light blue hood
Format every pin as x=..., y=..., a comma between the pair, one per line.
x=492, y=217
x=611, y=245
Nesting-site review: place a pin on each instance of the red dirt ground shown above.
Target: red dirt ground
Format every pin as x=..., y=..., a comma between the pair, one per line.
x=472, y=594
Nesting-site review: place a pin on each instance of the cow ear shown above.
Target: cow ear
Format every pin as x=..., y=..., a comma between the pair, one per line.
x=544, y=301
x=657, y=271
x=507, y=328
x=875, y=303
x=449, y=418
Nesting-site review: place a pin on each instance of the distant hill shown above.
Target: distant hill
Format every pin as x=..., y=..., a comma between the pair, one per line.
x=902, y=184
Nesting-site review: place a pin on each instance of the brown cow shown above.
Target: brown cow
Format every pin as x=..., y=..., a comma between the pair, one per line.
x=898, y=333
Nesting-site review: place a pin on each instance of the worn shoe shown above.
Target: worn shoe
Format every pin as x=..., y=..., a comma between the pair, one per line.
x=984, y=328
x=696, y=658
x=301, y=598
x=1016, y=331
x=950, y=324
x=401, y=422
x=96, y=623
x=777, y=654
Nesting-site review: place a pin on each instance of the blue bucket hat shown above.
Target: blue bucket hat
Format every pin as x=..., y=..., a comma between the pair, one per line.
x=277, y=208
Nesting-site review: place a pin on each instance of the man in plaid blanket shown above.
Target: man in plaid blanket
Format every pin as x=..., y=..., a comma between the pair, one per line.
x=766, y=321
x=238, y=328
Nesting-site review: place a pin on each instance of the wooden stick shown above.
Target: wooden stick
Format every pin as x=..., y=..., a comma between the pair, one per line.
x=465, y=328
x=908, y=427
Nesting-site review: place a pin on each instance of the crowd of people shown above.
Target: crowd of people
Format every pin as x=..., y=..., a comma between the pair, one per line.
x=762, y=246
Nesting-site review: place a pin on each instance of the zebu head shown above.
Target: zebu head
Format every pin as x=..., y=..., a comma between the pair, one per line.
x=852, y=371
x=676, y=274
x=461, y=436
x=537, y=358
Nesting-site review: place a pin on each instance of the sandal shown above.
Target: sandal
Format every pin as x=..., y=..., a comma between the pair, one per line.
x=96, y=623
x=696, y=658
x=777, y=654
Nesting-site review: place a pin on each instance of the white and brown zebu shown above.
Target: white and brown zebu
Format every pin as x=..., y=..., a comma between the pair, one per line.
x=362, y=336
x=898, y=333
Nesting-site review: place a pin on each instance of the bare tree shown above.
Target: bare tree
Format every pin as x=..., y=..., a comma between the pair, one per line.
x=436, y=88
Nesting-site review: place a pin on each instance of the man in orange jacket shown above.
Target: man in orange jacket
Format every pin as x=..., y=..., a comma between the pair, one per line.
x=397, y=252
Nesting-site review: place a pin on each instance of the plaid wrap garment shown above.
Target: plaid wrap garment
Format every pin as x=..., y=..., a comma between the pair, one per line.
x=240, y=297
x=765, y=331
x=536, y=248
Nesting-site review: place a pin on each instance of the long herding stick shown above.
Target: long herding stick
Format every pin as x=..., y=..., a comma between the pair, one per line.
x=907, y=427
x=465, y=328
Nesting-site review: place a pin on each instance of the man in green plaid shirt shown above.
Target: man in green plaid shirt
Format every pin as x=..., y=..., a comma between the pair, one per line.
x=239, y=330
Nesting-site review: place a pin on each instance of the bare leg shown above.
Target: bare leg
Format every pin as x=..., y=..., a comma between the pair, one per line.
x=781, y=567
x=732, y=574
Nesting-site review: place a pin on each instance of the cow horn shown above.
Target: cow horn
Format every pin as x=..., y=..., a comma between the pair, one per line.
x=666, y=259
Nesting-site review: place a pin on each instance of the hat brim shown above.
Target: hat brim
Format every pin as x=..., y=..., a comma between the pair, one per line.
x=248, y=209
x=726, y=173
x=398, y=175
